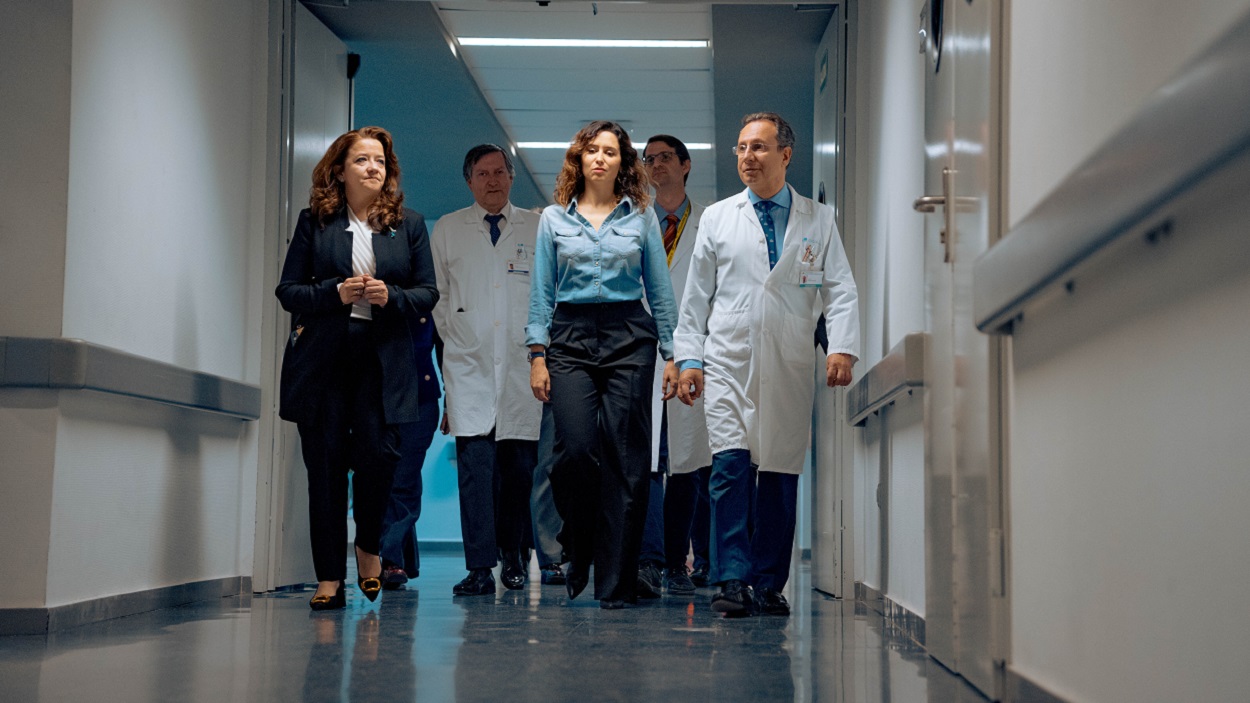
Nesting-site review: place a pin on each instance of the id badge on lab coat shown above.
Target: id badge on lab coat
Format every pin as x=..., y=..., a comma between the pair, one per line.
x=811, y=273
x=520, y=264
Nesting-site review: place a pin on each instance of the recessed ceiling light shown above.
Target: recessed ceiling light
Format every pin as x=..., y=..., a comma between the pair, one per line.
x=587, y=43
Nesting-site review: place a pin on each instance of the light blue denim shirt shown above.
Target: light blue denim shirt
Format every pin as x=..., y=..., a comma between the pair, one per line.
x=619, y=262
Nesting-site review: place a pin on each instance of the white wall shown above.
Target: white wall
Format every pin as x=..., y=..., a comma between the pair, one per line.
x=1128, y=481
x=142, y=128
x=1078, y=70
x=889, y=175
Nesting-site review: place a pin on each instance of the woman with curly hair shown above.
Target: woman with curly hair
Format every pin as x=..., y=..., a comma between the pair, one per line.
x=357, y=271
x=592, y=353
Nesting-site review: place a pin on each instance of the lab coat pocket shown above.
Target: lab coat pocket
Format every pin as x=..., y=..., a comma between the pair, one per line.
x=729, y=335
x=461, y=333
x=798, y=337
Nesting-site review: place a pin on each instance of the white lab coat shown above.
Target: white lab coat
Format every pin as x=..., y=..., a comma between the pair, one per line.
x=754, y=329
x=481, y=314
x=687, y=431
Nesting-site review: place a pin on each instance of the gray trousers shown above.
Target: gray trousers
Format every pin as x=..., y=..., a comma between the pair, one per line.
x=547, y=522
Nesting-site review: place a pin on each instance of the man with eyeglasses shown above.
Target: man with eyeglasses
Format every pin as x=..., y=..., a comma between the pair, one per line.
x=679, y=434
x=768, y=262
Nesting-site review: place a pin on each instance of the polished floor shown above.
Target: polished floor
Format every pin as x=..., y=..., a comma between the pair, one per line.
x=529, y=645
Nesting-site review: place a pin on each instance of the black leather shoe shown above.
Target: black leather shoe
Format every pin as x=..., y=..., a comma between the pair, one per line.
x=771, y=602
x=677, y=582
x=512, y=574
x=734, y=599
x=552, y=575
x=371, y=586
x=393, y=578
x=611, y=604
x=648, y=580
x=699, y=577
x=334, y=602
x=576, y=578
x=479, y=582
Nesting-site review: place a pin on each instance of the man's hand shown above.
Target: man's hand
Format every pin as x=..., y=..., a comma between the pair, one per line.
x=690, y=386
x=838, y=369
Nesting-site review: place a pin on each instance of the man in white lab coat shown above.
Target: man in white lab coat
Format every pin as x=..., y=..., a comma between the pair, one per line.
x=679, y=433
x=482, y=257
x=767, y=264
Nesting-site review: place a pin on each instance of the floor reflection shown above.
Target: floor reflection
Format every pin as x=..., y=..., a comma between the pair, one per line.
x=529, y=645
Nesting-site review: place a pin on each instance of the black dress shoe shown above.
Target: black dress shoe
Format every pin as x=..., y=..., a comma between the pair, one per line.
x=677, y=582
x=371, y=586
x=699, y=577
x=770, y=602
x=611, y=604
x=734, y=599
x=648, y=580
x=576, y=578
x=479, y=582
x=552, y=575
x=334, y=602
x=394, y=577
x=513, y=572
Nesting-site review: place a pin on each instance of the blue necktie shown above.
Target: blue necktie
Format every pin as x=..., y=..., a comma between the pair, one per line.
x=770, y=230
x=493, y=220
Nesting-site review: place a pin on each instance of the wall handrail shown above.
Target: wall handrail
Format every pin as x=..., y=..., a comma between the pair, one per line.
x=897, y=374
x=1188, y=129
x=73, y=364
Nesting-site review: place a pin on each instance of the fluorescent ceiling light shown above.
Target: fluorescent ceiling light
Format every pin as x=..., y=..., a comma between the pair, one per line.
x=586, y=43
x=697, y=146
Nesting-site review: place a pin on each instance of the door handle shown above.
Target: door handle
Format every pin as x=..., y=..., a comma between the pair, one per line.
x=930, y=203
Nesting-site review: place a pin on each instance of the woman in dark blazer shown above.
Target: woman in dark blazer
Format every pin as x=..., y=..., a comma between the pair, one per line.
x=357, y=271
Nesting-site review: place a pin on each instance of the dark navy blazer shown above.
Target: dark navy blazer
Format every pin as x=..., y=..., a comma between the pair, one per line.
x=320, y=258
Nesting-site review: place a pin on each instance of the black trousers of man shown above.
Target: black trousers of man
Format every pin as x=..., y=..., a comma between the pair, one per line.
x=602, y=365
x=494, y=477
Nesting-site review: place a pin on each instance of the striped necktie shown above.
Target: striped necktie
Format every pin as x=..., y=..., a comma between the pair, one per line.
x=670, y=234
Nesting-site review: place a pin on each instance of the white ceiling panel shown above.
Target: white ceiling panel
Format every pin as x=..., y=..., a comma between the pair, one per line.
x=547, y=94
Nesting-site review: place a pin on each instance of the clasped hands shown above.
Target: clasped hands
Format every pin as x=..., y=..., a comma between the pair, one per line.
x=364, y=287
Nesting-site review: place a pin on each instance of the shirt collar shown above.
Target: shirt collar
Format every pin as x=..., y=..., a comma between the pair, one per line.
x=353, y=221
x=661, y=213
x=781, y=199
x=479, y=212
x=625, y=203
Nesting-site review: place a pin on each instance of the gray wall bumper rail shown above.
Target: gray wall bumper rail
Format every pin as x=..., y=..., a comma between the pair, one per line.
x=896, y=375
x=1190, y=127
x=72, y=364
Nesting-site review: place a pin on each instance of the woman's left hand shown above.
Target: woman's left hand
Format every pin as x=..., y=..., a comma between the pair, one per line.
x=670, y=380
x=376, y=292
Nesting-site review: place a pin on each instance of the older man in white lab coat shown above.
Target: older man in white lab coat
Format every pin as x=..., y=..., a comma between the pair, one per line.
x=767, y=264
x=482, y=256
x=679, y=434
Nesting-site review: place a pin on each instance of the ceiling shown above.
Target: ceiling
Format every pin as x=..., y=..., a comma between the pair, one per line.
x=547, y=94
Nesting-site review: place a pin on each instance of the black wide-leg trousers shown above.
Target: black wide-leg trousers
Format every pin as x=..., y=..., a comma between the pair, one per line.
x=352, y=434
x=602, y=365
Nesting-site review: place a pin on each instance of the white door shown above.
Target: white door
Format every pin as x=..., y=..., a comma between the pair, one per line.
x=964, y=599
x=317, y=95
x=832, y=481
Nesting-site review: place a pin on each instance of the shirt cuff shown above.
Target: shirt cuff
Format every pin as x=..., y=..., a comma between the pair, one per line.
x=537, y=334
x=690, y=364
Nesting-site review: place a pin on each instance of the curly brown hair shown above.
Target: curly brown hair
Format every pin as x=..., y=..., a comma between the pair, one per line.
x=631, y=180
x=328, y=198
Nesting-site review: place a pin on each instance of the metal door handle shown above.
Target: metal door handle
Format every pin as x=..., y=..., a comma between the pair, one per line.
x=930, y=203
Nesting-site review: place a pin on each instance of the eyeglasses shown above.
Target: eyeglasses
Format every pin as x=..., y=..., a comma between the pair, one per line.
x=663, y=157
x=758, y=148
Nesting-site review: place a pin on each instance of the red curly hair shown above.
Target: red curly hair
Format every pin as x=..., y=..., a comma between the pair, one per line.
x=631, y=180
x=327, y=198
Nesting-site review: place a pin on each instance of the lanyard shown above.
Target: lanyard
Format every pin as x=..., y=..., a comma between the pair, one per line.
x=681, y=227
